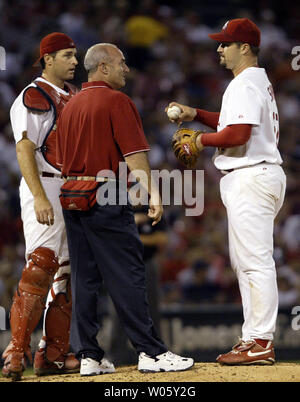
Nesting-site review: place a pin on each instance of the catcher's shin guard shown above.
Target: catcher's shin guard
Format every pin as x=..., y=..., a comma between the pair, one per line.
x=52, y=356
x=58, y=318
x=27, y=307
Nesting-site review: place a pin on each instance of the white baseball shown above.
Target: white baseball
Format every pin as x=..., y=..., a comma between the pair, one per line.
x=173, y=112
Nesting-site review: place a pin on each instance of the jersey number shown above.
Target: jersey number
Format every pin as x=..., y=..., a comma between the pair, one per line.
x=274, y=113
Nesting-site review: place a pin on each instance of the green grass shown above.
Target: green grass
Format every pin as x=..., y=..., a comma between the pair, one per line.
x=28, y=371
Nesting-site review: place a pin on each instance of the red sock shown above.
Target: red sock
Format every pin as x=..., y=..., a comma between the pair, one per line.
x=262, y=342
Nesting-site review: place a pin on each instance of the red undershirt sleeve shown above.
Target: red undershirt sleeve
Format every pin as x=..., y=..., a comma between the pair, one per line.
x=231, y=136
x=209, y=119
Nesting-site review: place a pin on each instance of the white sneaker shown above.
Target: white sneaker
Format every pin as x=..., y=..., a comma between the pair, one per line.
x=165, y=362
x=90, y=366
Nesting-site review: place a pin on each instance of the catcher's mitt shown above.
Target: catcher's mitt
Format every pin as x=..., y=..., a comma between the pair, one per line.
x=184, y=146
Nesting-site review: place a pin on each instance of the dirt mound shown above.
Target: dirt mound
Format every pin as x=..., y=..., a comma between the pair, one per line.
x=201, y=372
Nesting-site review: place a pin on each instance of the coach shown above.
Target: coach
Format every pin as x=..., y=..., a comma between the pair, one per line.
x=99, y=128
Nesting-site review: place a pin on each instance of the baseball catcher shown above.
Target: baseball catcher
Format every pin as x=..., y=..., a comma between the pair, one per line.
x=33, y=117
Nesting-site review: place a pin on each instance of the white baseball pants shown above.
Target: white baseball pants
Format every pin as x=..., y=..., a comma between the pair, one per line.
x=53, y=237
x=38, y=235
x=252, y=197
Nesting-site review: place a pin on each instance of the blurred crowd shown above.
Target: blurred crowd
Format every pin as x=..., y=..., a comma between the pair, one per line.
x=170, y=58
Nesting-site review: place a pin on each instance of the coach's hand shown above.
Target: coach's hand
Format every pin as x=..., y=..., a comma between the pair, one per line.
x=188, y=113
x=43, y=210
x=155, y=210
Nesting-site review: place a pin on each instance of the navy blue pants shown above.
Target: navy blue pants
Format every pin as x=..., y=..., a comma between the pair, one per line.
x=104, y=244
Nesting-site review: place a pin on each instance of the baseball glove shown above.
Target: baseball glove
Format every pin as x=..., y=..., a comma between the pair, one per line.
x=184, y=146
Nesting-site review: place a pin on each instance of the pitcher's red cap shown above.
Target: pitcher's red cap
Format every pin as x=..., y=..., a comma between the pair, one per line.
x=238, y=30
x=54, y=42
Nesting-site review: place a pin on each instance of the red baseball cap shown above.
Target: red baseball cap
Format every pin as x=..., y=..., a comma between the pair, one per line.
x=238, y=30
x=54, y=42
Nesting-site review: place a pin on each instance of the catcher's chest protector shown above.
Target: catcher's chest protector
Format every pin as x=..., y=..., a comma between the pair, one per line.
x=42, y=98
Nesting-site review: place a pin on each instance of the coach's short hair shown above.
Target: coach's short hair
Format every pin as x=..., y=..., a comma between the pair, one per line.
x=97, y=54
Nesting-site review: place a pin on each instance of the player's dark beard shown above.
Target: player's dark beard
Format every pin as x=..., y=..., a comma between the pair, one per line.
x=222, y=61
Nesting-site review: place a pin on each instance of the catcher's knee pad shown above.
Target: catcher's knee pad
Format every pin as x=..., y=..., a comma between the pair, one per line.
x=45, y=258
x=39, y=271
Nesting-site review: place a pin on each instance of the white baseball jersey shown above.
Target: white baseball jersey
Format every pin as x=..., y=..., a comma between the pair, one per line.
x=249, y=99
x=36, y=124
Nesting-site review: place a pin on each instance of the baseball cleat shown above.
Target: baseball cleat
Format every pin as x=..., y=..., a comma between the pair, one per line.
x=64, y=364
x=15, y=363
x=247, y=353
x=14, y=366
x=90, y=366
x=165, y=362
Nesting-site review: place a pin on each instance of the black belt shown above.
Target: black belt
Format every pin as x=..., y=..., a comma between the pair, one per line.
x=48, y=174
x=241, y=167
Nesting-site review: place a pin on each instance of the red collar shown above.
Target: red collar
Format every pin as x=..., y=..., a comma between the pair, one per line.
x=95, y=84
